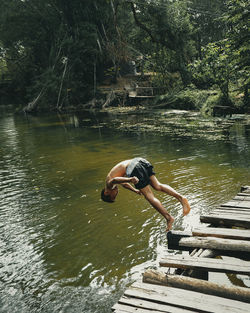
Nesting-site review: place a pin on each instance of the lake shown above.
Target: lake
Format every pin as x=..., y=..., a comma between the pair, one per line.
x=62, y=248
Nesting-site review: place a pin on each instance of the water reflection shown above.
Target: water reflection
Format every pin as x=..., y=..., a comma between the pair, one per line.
x=62, y=249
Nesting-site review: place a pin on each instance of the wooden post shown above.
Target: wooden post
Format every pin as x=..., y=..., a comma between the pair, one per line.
x=174, y=237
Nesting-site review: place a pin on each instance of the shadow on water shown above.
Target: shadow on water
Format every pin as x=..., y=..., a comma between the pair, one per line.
x=62, y=248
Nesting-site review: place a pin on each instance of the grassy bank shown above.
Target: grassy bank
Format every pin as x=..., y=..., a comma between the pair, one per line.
x=206, y=101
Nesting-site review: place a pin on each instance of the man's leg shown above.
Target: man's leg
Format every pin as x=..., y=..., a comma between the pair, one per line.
x=170, y=191
x=148, y=194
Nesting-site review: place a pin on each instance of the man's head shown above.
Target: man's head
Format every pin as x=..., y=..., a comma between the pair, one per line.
x=109, y=195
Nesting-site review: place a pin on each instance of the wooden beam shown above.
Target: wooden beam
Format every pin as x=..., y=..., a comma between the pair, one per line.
x=216, y=243
x=206, y=264
x=222, y=219
x=185, y=299
x=231, y=292
x=222, y=233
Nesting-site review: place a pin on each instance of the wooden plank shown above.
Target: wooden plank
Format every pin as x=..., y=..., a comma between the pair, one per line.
x=201, y=253
x=232, y=209
x=206, y=264
x=237, y=204
x=121, y=308
x=242, y=197
x=235, y=212
x=243, y=194
x=149, y=305
x=186, y=299
x=231, y=292
x=221, y=219
x=215, y=243
x=222, y=233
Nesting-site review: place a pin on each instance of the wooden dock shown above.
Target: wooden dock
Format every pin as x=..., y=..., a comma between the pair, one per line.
x=226, y=233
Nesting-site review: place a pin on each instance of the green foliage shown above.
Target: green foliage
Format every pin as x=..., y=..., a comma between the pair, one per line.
x=215, y=67
x=206, y=17
x=210, y=103
x=238, y=16
x=226, y=63
x=189, y=98
x=166, y=27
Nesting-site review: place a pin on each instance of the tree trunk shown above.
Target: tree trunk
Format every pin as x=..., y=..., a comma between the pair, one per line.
x=187, y=283
x=31, y=107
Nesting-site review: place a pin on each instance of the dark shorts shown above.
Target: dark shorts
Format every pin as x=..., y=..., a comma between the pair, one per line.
x=142, y=169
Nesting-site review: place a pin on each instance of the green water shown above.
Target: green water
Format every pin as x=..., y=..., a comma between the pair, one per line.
x=64, y=250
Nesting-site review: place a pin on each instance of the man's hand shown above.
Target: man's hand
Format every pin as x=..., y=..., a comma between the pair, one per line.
x=138, y=191
x=134, y=180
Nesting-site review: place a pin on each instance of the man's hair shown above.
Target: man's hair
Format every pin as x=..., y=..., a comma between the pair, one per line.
x=105, y=198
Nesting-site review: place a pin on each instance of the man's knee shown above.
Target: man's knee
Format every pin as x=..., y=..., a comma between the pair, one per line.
x=149, y=197
x=157, y=186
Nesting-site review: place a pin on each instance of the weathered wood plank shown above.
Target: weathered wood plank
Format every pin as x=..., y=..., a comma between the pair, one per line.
x=186, y=299
x=149, y=305
x=243, y=194
x=199, y=253
x=222, y=233
x=222, y=219
x=237, y=204
x=232, y=209
x=231, y=292
x=122, y=308
x=215, y=243
x=242, y=198
x=234, y=212
x=206, y=264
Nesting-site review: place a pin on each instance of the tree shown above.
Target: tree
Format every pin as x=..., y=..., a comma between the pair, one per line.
x=206, y=17
x=216, y=67
x=237, y=18
x=52, y=47
x=166, y=25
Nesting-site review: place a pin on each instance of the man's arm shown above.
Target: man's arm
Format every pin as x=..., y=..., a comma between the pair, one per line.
x=129, y=187
x=121, y=180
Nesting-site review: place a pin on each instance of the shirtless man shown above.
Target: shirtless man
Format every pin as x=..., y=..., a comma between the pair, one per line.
x=139, y=172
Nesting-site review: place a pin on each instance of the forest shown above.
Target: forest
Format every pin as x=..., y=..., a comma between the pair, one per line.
x=55, y=54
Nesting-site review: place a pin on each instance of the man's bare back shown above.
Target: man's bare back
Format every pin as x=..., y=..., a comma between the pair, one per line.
x=119, y=170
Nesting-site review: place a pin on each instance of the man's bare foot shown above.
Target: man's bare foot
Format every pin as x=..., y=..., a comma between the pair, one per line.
x=169, y=223
x=186, y=206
